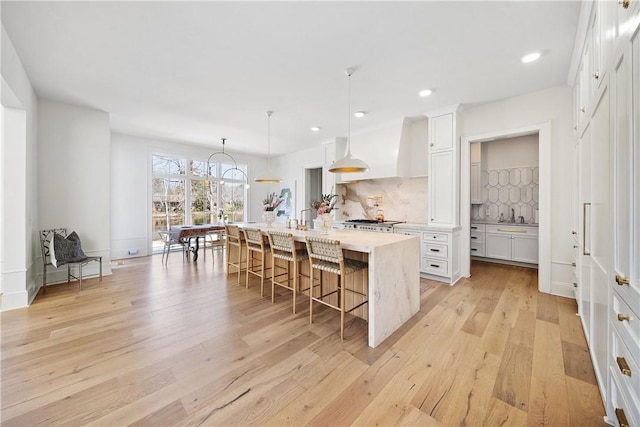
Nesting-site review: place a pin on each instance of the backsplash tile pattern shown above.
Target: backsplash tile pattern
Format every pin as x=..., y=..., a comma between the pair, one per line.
x=403, y=199
x=506, y=189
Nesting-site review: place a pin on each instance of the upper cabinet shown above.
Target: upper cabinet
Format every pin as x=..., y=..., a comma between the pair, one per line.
x=476, y=173
x=444, y=169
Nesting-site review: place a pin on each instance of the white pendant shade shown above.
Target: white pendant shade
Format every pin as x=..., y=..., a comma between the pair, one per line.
x=268, y=176
x=349, y=164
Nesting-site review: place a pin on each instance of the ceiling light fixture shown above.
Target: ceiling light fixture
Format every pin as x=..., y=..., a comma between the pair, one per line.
x=348, y=163
x=424, y=93
x=235, y=168
x=268, y=176
x=315, y=128
x=359, y=114
x=530, y=57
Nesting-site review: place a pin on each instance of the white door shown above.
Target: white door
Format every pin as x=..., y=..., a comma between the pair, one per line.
x=442, y=132
x=441, y=189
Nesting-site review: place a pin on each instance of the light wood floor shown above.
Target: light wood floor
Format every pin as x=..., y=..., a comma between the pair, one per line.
x=182, y=345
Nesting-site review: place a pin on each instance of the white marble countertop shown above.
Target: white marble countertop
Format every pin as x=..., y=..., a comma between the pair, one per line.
x=422, y=226
x=359, y=241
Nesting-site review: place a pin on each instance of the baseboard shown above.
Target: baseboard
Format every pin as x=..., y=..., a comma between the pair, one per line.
x=562, y=289
x=13, y=300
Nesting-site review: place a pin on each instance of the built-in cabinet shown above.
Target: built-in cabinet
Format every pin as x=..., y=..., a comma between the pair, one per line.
x=438, y=259
x=606, y=234
x=476, y=173
x=507, y=242
x=444, y=169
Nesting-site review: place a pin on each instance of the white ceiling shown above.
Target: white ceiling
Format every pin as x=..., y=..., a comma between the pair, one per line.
x=199, y=71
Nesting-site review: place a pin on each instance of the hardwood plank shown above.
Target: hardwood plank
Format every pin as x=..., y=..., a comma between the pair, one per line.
x=182, y=345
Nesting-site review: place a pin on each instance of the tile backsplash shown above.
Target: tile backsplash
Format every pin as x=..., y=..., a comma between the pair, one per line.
x=506, y=189
x=403, y=199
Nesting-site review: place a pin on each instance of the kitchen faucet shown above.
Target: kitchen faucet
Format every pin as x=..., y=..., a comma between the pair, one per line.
x=513, y=216
x=302, y=221
x=521, y=219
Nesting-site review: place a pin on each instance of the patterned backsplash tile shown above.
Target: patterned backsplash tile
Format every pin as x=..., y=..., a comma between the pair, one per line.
x=506, y=189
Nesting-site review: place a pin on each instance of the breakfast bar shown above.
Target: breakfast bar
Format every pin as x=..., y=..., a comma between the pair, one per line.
x=393, y=274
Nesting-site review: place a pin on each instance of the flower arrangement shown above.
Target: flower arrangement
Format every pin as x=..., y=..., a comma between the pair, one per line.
x=325, y=205
x=271, y=202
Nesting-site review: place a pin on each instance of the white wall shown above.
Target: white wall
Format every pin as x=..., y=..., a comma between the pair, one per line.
x=74, y=176
x=130, y=172
x=510, y=153
x=18, y=278
x=555, y=106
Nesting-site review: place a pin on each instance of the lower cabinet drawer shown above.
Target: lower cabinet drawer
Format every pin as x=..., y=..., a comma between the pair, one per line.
x=626, y=325
x=436, y=251
x=428, y=236
x=477, y=249
x=624, y=410
x=435, y=266
x=623, y=362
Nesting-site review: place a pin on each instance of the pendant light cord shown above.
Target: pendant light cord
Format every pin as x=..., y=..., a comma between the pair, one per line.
x=349, y=72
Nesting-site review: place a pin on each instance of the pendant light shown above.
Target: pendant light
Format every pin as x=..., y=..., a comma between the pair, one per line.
x=348, y=163
x=268, y=176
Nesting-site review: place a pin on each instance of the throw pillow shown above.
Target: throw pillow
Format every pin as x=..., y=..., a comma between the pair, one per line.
x=66, y=250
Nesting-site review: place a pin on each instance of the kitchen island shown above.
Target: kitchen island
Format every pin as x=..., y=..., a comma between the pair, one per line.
x=393, y=274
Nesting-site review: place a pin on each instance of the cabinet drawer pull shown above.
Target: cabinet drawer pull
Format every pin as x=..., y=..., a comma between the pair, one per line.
x=624, y=3
x=573, y=264
x=575, y=285
x=511, y=230
x=434, y=250
x=474, y=237
x=624, y=366
x=621, y=280
x=582, y=109
x=574, y=232
x=474, y=249
x=622, y=317
x=473, y=227
x=596, y=75
x=434, y=265
x=622, y=419
x=575, y=246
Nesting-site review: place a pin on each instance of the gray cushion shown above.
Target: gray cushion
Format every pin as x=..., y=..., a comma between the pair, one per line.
x=67, y=249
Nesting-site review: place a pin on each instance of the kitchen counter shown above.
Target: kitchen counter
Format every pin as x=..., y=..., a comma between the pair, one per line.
x=394, y=277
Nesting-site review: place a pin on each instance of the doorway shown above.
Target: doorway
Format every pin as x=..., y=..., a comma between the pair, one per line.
x=312, y=191
x=543, y=131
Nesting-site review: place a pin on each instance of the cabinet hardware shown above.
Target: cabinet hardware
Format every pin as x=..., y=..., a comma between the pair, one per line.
x=621, y=280
x=510, y=230
x=574, y=232
x=585, y=251
x=625, y=3
x=622, y=317
x=474, y=227
x=624, y=366
x=435, y=250
x=474, y=249
x=573, y=264
x=474, y=237
x=434, y=265
x=575, y=285
x=575, y=246
x=431, y=144
x=622, y=418
x=582, y=109
x=596, y=75
x=575, y=128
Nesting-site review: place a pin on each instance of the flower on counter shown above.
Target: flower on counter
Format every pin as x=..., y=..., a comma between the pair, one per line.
x=271, y=202
x=325, y=205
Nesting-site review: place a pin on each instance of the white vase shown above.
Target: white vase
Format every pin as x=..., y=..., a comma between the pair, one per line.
x=327, y=223
x=269, y=217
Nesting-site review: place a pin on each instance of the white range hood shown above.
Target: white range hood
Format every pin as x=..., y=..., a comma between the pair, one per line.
x=397, y=149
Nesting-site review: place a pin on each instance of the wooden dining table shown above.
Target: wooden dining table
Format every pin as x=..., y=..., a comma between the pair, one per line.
x=186, y=233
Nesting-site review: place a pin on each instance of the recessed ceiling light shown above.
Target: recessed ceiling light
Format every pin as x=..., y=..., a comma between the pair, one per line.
x=530, y=57
x=360, y=114
x=315, y=128
x=425, y=92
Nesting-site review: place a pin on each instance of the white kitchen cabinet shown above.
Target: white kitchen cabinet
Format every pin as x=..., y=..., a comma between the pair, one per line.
x=438, y=260
x=476, y=183
x=512, y=243
x=444, y=170
x=478, y=244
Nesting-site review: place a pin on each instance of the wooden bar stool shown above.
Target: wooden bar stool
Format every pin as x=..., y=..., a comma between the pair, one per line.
x=235, y=248
x=256, y=245
x=326, y=255
x=284, y=247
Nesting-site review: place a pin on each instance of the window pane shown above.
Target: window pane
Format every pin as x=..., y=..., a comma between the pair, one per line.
x=233, y=201
x=168, y=203
x=168, y=165
x=198, y=168
x=201, y=202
